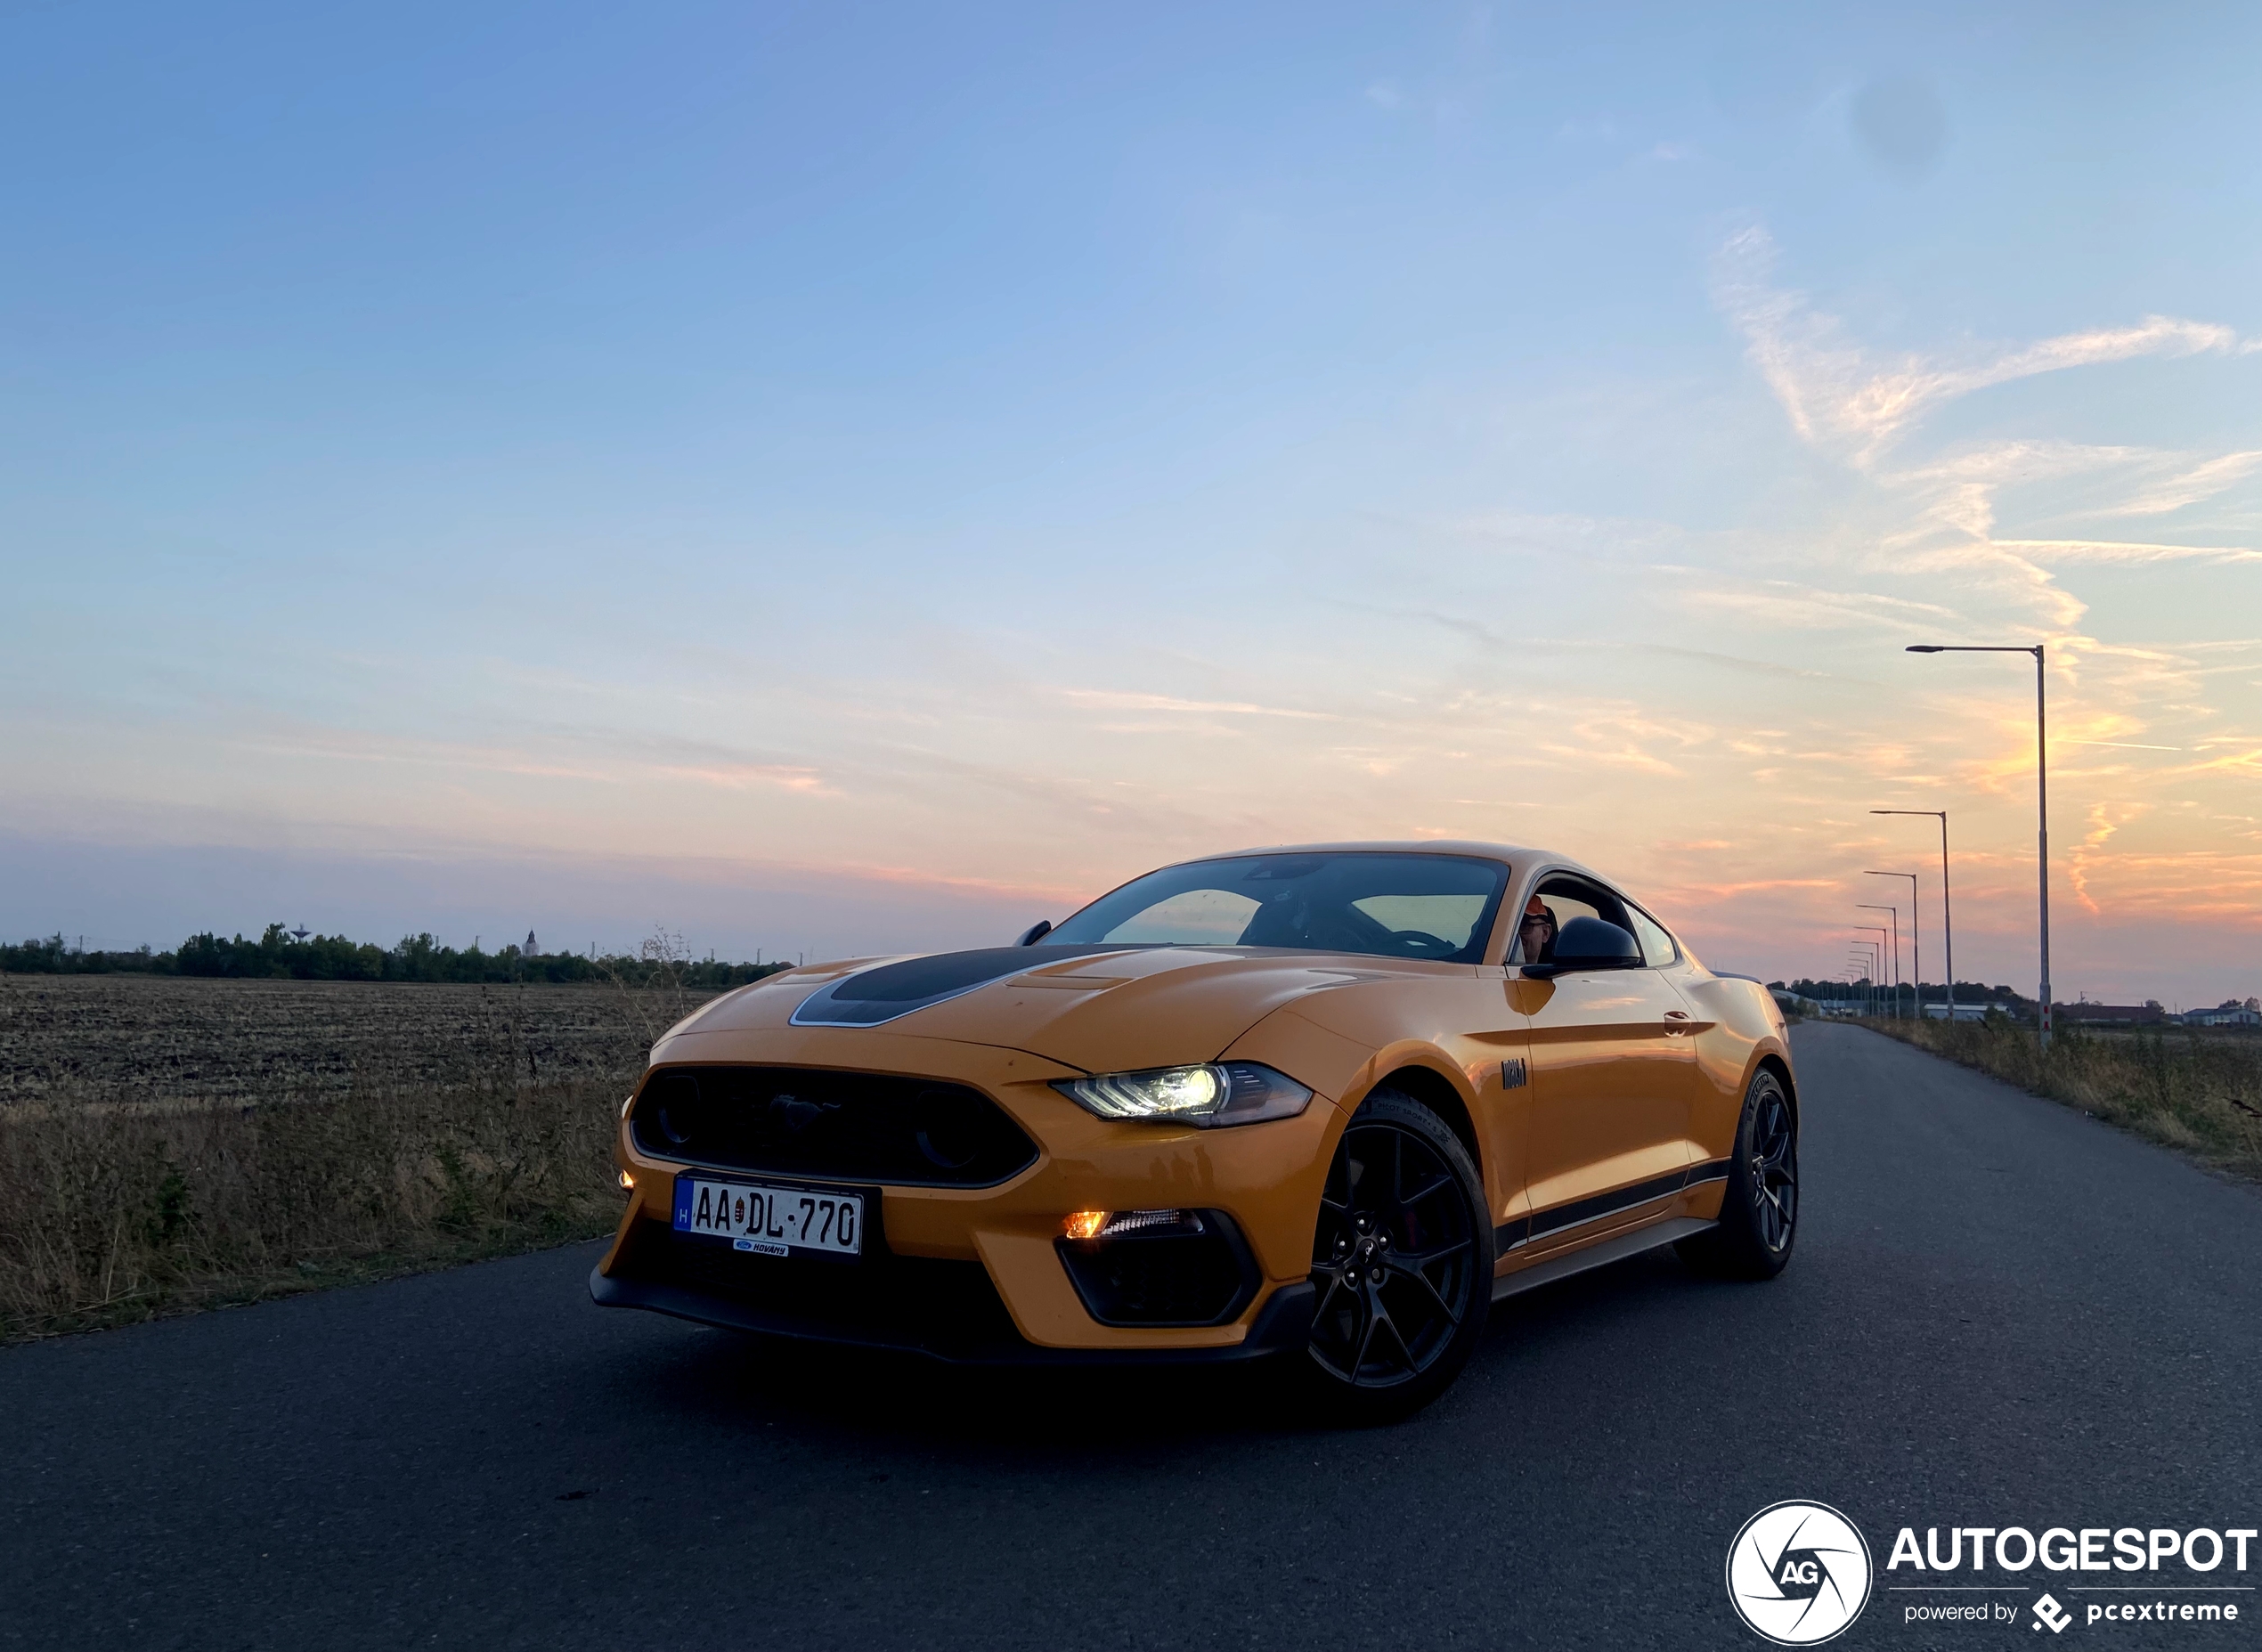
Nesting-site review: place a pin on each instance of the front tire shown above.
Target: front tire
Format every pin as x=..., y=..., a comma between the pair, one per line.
x=1402, y=1261
x=1758, y=1213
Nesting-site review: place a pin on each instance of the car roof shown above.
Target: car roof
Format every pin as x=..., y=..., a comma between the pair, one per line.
x=1515, y=854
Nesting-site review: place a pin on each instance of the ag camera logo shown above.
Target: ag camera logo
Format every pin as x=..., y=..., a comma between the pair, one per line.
x=1798, y=1573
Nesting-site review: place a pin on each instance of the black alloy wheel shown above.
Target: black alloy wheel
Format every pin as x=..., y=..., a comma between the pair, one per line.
x=1759, y=1212
x=1401, y=1262
x=1774, y=1171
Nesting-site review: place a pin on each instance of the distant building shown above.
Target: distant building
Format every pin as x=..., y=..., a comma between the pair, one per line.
x=1963, y=1011
x=2146, y=1014
x=2230, y=1013
x=530, y=948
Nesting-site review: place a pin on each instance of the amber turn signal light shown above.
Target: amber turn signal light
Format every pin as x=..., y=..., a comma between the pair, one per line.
x=628, y=1183
x=1084, y=1223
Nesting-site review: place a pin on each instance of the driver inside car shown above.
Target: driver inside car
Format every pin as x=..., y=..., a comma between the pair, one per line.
x=1537, y=931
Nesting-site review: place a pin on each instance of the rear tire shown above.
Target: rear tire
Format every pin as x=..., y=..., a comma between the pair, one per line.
x=1758, y=1213
x=1402, y=1263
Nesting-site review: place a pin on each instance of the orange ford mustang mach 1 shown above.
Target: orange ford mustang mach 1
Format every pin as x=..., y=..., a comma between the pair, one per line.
x=1326, y=1103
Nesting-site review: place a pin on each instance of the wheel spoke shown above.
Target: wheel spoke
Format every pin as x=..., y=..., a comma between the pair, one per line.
x=1416, y=1260
x=1430, y=1290
x=1424, y=1192
x=1382, y=1321
x=1366, y=1334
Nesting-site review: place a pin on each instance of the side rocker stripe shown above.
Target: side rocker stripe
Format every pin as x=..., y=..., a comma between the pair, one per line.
x=1577, y=1212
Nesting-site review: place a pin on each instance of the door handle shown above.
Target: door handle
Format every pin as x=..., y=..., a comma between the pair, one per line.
x=1681, y=1016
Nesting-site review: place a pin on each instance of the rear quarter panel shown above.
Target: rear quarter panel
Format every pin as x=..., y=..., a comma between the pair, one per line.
x=1745, y=1028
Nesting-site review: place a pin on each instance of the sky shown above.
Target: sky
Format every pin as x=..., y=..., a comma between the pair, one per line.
x=837, y=479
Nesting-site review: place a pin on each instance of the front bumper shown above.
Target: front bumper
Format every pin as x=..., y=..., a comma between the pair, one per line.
x=956, y=1317
x=974, y=1273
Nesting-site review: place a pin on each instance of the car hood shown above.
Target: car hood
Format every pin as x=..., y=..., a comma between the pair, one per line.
x=1100, y=1009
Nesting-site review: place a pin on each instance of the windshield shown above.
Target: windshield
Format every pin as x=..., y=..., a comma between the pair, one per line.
x=1390, y=905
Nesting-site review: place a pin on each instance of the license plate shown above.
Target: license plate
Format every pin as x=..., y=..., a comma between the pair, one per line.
x=771, y=1220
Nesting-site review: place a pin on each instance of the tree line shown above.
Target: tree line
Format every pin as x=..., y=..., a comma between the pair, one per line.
x=1931, y=992
x=278, y=955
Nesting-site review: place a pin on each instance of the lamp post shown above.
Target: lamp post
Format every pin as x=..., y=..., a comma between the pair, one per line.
x=1871, y=967
x=1878, y=970
x=1869, y=906
x=1947, y=921
x=2041, y=791
x=1915, y=944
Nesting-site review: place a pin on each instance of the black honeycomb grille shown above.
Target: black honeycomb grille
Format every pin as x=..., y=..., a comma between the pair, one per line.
x=809, y=1121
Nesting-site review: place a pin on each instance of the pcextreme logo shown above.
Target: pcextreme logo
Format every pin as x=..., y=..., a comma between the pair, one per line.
x=1798, y=1573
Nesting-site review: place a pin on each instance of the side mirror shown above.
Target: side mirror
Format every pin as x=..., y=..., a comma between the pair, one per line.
x=1035, y=933
x=1588, y=944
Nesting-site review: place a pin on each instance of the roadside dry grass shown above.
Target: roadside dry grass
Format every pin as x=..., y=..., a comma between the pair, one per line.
x=2198, y=1092
x=173, y=1145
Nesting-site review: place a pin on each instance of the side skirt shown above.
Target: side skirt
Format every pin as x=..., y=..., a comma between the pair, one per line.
x=1617, y=1249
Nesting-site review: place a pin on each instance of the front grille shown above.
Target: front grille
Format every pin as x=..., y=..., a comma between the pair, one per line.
x=1192, y=1269
x=855, y=1126
x=882, y=1299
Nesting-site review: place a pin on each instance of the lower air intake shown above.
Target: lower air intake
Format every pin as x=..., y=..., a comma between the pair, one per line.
x=1154, y=1267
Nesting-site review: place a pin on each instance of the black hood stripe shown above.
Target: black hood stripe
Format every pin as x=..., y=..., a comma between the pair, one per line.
x=871, y=997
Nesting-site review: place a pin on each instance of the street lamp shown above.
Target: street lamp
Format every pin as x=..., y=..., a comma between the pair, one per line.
x=1868, y=962
x=1871, y=905
x=2041, y=791
x=1858, y=971
x=1878, y=970
x=1915, y=944
x=1947, y=921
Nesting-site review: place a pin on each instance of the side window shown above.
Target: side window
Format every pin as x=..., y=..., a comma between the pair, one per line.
x=1566, y=898
x=1657, y=949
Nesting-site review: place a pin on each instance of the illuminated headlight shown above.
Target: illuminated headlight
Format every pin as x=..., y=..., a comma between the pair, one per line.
x=1210, y=1096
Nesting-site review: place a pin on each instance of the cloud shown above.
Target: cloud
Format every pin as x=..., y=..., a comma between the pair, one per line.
x=1837, y=395
x=1165, y=703
x=743, y=777
x=2052, y=552
x=2202, y=482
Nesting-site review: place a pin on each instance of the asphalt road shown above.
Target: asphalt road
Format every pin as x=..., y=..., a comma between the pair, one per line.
x=2000, y=1312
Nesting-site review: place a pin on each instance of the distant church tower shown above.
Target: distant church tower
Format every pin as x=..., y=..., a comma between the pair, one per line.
x=531, y=948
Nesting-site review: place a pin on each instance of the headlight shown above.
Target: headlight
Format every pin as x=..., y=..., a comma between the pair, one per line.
x=1210, y=1096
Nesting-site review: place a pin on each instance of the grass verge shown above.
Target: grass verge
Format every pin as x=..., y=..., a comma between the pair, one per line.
x=2198, y=1092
